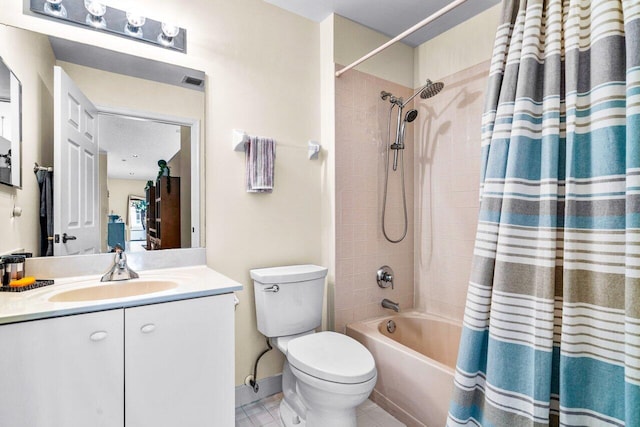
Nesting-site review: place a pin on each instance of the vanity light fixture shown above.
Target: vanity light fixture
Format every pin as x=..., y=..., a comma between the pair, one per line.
x=95, y=14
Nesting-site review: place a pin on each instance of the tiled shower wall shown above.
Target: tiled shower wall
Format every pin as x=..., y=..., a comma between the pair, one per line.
x=361, y=139
x=447, y=175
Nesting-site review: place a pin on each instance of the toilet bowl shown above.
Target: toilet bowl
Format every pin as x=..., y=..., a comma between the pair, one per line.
x=326, y=375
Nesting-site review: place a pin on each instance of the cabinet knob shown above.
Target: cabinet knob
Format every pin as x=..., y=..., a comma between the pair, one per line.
x=148, y=328
x=98, y=336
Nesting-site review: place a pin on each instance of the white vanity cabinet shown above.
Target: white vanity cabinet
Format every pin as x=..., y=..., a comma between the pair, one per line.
x=64, y=371
x=166, y=364
x=179, y=364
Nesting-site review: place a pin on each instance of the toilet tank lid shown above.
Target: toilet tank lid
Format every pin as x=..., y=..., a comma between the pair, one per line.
x=289, y=273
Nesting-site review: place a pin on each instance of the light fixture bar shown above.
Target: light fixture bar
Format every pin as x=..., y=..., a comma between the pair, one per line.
x=89, y=14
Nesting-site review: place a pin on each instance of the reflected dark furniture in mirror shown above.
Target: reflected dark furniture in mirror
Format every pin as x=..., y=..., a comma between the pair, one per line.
x=163, y=231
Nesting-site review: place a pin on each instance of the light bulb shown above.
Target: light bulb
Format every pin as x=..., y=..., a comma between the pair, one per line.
x=134, y=24
x=96, y=10
x=55, y=8
x=169, y=31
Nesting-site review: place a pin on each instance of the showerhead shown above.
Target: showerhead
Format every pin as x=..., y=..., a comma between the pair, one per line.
x=431, y=89
x=411, y=116
x=427, y=91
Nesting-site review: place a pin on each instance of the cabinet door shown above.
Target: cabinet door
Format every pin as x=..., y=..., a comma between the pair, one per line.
x=179, y=363
x=64, y=371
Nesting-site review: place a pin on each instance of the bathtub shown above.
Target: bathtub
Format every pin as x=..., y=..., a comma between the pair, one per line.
x=415, y=365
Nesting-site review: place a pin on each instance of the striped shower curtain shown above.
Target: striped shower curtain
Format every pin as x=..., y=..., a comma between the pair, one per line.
x=552, y=322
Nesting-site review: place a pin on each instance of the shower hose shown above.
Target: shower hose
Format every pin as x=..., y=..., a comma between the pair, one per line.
x=386, y=185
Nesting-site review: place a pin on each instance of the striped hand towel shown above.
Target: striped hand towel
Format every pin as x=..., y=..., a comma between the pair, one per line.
x=260, y=154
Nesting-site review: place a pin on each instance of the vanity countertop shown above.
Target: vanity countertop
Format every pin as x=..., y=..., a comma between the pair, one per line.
x=191, y=282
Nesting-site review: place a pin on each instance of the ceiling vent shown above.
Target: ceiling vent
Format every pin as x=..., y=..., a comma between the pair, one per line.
x=194, y=81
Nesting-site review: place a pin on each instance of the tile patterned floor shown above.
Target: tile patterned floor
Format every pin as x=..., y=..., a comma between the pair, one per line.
x=266, y=413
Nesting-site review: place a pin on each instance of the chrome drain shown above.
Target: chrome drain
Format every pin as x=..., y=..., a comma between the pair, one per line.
x=391, y=326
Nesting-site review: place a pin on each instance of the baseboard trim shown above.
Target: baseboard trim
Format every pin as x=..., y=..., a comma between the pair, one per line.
x=267, y=387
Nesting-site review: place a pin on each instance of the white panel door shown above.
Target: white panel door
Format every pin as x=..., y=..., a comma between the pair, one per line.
x=75, y=175
x=63, y=372
x=179, y=363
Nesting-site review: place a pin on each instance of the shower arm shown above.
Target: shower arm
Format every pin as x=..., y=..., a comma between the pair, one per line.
x=419, y=91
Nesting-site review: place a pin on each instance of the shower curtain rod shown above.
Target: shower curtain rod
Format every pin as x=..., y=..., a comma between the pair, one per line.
x=401, y=36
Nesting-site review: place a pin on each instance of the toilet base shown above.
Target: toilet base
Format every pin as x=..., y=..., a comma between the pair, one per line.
x=289, y=417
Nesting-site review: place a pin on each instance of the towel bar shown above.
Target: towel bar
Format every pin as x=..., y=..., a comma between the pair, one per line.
x=240, y=137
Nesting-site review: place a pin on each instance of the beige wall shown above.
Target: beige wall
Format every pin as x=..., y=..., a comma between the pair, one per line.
x=361, y=248
x=262, y=66
x=119, y=192
x=452, y=50
x=352, y=41
x=31, y=59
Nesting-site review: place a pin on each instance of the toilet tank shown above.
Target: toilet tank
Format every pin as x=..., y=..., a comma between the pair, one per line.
x=296, y=306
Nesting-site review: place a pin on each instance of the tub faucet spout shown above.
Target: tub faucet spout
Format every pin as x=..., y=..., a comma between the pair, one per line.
x=391, y=305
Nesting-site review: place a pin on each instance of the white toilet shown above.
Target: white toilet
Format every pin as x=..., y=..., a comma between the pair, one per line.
x=326, y=375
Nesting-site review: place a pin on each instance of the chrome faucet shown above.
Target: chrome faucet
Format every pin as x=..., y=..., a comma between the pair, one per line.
x=391, y=305
x=119, y=270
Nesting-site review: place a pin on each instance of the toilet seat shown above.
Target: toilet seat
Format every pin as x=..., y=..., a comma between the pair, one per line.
x=331, y=356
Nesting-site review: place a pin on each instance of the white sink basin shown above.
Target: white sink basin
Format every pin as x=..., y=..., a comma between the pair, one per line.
x=114, y=290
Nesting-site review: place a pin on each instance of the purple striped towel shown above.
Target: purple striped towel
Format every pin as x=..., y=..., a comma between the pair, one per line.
x=260, y=154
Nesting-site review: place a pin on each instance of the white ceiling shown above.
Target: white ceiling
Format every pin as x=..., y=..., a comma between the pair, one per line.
x=125, y=138
x=390, y=17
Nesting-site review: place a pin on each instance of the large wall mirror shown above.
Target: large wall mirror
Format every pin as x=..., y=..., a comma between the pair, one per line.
x=126, y=154
x=10, y=126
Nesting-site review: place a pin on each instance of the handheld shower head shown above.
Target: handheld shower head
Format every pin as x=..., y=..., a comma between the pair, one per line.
x=431, y=89
x=411, y=115
x=408, y=118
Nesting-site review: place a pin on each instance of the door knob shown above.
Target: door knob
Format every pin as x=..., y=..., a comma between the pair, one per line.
x=66, y=237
